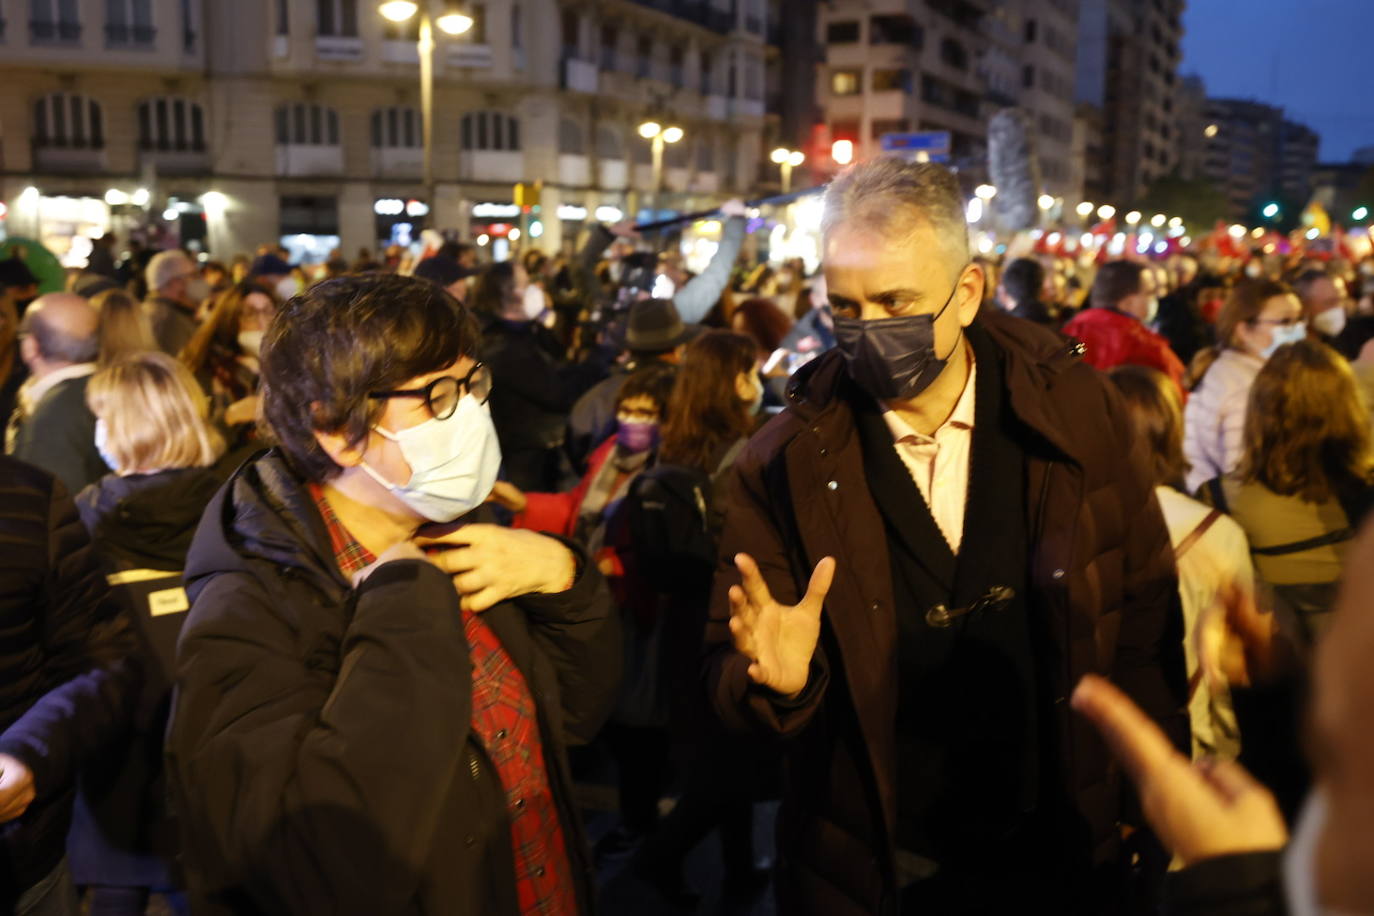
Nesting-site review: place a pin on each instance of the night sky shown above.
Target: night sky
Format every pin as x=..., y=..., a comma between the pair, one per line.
x=1311, y=57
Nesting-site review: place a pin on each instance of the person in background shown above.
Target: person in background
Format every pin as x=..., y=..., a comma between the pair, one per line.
x=224, y=354
x=176, y=291
x=445, y=272
x=70, y=679
x=167, y=463
x=1209, y=548
x=1180, y=318
x=102, y=257
x=1116, y=329
x=271, y=271
x=18, y=288
x=532, y=393
x=1259, y=317
x=373, y=703
x=238, y=268
x=1305, y=481
x=52, y=427
x=763, y=322
x=122, y=326
x=1019, y=292
x=216, y=276
x=694, y=297
x=1326, y=307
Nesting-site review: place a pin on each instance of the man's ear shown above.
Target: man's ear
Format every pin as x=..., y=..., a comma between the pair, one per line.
x=28, y=349
x=970, y=293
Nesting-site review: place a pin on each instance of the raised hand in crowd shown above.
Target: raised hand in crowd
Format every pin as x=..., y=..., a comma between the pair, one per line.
x=778, y=641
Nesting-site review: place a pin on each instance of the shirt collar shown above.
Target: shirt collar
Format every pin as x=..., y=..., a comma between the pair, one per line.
x=960, y=419
x=31, y=393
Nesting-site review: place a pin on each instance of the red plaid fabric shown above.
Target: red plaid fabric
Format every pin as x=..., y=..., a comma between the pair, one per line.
x=505, y=721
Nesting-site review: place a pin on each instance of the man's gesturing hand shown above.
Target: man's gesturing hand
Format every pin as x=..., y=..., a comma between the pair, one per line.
x=778, y=640
x=16, y=788
x=1199, y=810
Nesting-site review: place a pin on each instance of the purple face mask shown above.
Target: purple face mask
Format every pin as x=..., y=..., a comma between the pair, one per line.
x=636, y=436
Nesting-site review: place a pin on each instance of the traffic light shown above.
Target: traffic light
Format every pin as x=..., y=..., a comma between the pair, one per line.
x=1360, y=213
x=528, y=196
x=1270, y=210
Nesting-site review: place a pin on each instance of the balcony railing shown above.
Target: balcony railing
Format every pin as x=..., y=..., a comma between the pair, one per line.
x=129, y=36
x=699, y=12
x=43, y=31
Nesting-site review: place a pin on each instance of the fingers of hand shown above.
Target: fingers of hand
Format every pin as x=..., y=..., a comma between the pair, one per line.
x=484, y=599
x=1231, y=780
x=744, y=638
x=1135, y=740
x=821, y=579
x=754, y=586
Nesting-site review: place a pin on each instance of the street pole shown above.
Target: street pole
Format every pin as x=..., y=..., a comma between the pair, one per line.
x=658, y=169
x=426, y=48
x=787, y=177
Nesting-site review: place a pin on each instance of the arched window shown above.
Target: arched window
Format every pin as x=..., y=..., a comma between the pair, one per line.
x=570, y=138
x=706, y=154
x=66, y=120
x=609, y=144
x=396, y=128
x=490, y=130
x=171, y=125
x=307, y=124
x=953, y=53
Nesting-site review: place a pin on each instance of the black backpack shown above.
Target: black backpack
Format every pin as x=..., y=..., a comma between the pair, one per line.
x=670, y=517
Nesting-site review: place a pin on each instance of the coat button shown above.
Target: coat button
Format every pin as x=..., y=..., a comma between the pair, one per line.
x=824, y=452
x=874, y=608
x=833, y=485
x=1058, y=574
x=469, y=840
x=539, y=872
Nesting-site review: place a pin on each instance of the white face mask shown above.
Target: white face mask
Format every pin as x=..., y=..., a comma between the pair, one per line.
x=102, y=445
x=1285, y=335
x=250, y=342
x=287, y=287
x=534, y=301
x=1330, y=322
x=1152, y=310
x=453, y=462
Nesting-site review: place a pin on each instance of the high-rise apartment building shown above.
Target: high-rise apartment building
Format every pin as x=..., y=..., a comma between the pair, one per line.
x=1128, y=56
x=304, y=119
x=1253, y=153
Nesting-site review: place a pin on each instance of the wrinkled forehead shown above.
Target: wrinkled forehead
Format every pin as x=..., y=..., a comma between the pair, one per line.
x=894, y=250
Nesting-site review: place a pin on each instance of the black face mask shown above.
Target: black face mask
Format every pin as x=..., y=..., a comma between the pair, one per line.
x=892, y=358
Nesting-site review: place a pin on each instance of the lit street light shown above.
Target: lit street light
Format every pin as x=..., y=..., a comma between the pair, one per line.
x=842, y=151
x=787, y=159
x=985, y=192
x=1106, y=211
x=1360, y=213
x=1133, y=218
x=1270, y=210
x=1158, y=220
x=659, y=136
x=1085, y=209
x=453, y=22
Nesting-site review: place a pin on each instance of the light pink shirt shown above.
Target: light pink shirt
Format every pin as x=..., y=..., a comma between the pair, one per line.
x=939, y=463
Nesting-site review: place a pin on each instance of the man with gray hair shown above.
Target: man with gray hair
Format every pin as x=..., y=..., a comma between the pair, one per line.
x=52, y=428
x=979, y=531
x=176, y=291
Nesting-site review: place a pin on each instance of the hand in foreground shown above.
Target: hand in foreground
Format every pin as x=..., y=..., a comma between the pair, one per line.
x=490, y=564
x=734, y=207
x=16, y=788
x=778, y=640
x=1199, y=810
x=508, y=495
x=624, y=229
x=1238, y=644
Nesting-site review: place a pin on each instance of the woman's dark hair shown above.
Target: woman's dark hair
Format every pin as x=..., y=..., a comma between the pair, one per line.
x=341, y=340
x=1156, y=410
x=221, y=326
x=654, y=381
x=705, y=411
x=1307, y=432
x=1242, y=306
x=763, y=321
x=493, y=289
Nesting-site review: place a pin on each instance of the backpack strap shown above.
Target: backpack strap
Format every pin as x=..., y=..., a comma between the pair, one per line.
x=1324, y=540
x=729, y=457
x=1218, y=495
x=1196, y=534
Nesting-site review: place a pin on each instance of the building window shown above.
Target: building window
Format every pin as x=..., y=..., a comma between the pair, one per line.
x=65, y=120
x=309, y=216
x=129, y=23
x=171, y=125
x=570, y=139
x=953, y=53
x=490, y=130
x=53, y=22
x=706, y=155
x=1028, y=76
x=397, y=128
x=645, y=63
x=307, y=124
x=517, y=28
x=610, y=38
x=1030, y=31
x=572, y=34
x=676, y=58
x=891, y=80
x=894, y=30
x=283, y=17
x=608, y=143
x=707, y=82
x=338, y=18
x=845, y=82
x=408, y=31
x=477, y=35
x=188, y=26
x=842, y=33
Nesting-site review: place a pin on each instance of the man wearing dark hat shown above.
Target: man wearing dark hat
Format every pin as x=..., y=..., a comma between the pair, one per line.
x=271, y=271
x=654, y=333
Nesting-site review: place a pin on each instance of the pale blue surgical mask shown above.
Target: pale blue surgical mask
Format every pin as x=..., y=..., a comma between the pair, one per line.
x=102, y=445
x=453, y=462
x=1283, y=335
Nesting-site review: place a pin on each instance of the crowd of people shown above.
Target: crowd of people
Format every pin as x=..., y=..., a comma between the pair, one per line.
x=325, y=587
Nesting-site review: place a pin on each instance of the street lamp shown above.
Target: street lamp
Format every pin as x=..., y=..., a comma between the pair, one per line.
x=659, y=136
x=787, y=159
x=453, y=22
x=1133, y=218
x=1106, y=211
x=1085, y=209
x=985, y=192
x=1046, y=202
x=1158, y=220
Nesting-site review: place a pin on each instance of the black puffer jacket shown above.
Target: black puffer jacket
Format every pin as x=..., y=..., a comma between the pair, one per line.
x=319, y=750
x=67, y=679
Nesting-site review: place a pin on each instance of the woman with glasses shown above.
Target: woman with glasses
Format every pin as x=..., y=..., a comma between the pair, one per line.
x=1258, y=318
x=223, y=354
x=375, y=687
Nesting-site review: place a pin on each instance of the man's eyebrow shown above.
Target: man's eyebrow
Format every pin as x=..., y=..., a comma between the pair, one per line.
x=897, y=295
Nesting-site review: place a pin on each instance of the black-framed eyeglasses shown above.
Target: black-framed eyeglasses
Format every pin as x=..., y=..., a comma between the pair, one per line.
x=442, y=394
x=1278, y=322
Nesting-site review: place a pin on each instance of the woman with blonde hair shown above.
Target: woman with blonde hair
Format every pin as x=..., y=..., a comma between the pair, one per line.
x=168, y=461
x=1305, y=481
x=123, y=326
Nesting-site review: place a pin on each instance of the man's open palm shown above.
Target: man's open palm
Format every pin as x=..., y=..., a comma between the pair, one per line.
x=778, y=640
